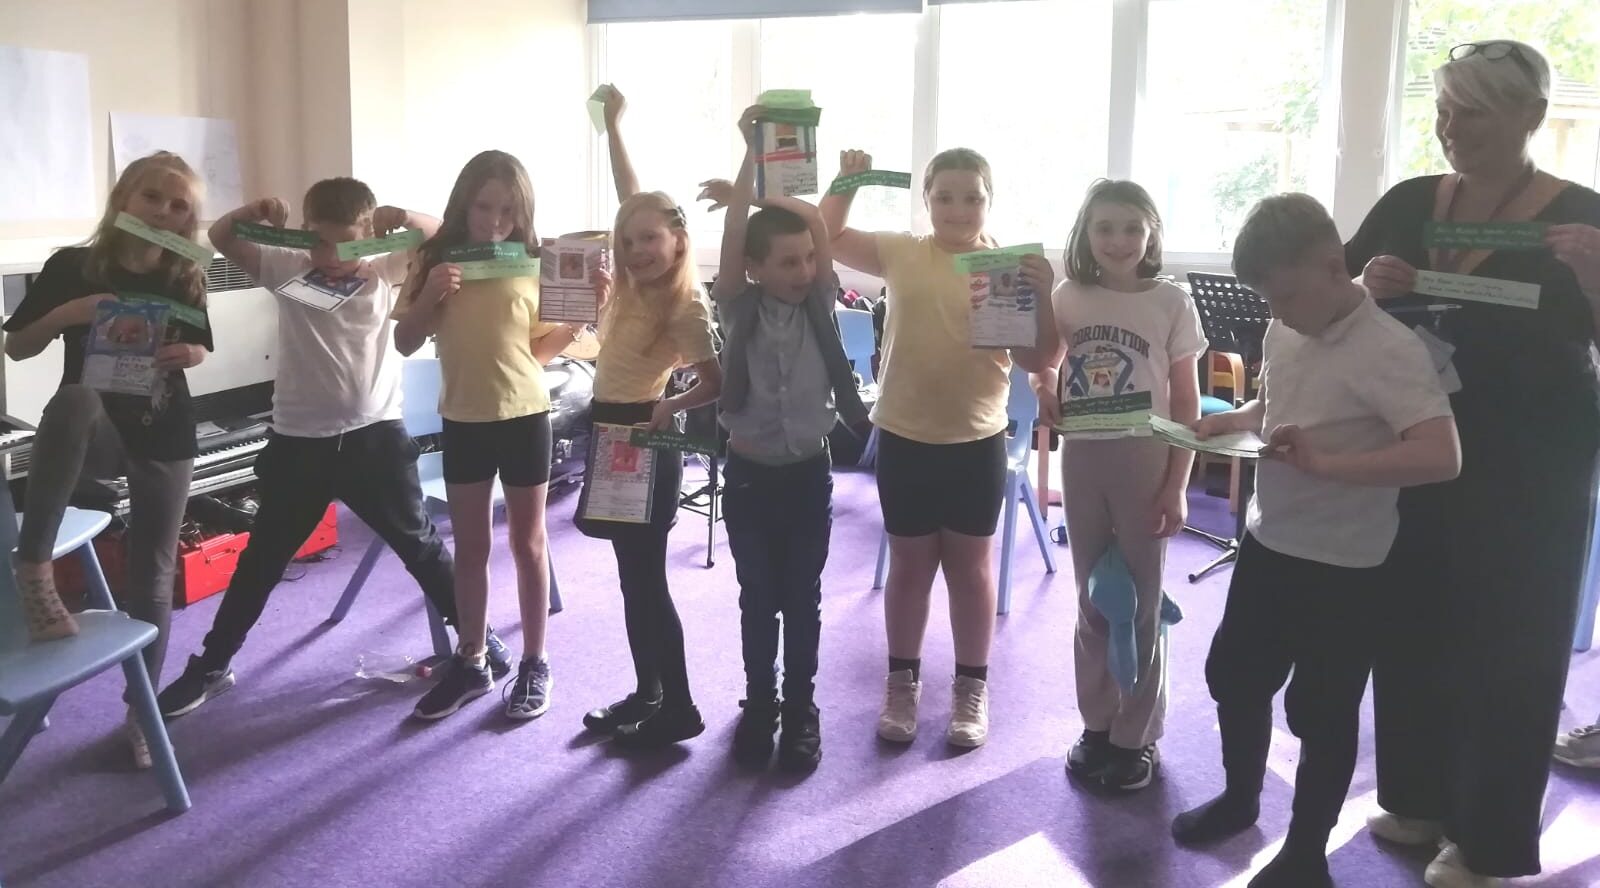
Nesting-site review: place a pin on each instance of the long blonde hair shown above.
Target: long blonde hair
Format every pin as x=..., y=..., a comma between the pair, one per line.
x=109, y=243
x=681, y=284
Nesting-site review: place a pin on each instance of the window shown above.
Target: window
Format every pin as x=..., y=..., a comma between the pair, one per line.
x=679, y=81
x=1232, y=102
x=1027, y=85
x=860, y=71
x=1564, y=30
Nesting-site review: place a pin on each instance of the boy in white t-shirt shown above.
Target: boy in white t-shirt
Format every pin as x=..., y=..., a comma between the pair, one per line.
x=1353, y=410
x=336, y=428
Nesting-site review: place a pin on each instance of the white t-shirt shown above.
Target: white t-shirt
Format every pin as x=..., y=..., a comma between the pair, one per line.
x=1124, y=344
x=337, y=370
x=1353, y=389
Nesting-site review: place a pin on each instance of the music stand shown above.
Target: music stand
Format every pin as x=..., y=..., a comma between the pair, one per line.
x=1235, y=320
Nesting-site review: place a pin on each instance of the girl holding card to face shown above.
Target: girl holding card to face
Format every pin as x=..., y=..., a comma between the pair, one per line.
x=150, y=439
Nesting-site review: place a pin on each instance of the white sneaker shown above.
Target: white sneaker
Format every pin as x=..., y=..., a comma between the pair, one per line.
x=969, y=712
x=1580, y=748
x=1405, y=830
x=897, y=722
x=1449, y=870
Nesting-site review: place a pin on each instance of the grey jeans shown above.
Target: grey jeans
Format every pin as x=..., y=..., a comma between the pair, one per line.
x=76, y=439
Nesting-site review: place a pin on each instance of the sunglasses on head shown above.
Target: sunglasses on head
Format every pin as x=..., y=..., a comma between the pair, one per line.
x=1495, y=51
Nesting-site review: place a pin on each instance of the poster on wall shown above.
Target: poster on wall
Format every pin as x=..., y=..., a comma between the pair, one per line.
x=46, y=159
x=209, y=144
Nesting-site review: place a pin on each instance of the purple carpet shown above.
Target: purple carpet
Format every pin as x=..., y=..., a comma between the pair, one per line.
x=306, y=775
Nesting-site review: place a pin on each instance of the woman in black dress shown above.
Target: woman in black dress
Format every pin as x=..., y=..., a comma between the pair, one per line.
x=1474, y=642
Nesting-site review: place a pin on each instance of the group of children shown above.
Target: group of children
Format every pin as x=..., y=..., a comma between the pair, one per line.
x=1349, y=404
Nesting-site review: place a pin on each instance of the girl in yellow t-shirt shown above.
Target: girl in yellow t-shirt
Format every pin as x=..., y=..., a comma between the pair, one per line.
x=658, y=321
x=496, y=409
x=941, y=418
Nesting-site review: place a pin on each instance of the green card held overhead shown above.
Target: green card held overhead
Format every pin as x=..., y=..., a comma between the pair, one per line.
x=505, y=259
x=404, y=239
x=791, y=106
x=1243, y=445
x=673, y=441
x=785, y=98
x=273, y=236
x=884, y=178
x=988, y=260
x=597, y=108
x=166, y=240
x=176, y=310
x=1484, y=235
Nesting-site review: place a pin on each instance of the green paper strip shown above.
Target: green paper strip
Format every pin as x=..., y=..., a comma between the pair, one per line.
x=988, y=260
x=796, y=116
x=785, y=98
x=673, y=441
x=405, y=239
x=847, y=184
x=485, y=252
x=166, y=240
x=273, y=236
x=1484, y=235
x=597, y=108
x=187, y=314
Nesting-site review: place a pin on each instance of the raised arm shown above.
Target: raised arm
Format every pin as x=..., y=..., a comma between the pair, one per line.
x=736, y=198
x=856, y=249
x=241, y=252
x=622, y=173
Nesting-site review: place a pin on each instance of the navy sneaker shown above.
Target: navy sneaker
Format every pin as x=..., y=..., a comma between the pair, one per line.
x=195, y=686
x=498, y=655
x=461, y=684
x=529, y=696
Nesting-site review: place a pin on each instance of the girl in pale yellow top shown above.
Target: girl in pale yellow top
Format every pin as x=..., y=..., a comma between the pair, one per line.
x=941, y=418
x=496, y=408
x=658, y=321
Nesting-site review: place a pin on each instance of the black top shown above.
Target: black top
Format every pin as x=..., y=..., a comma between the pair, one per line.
x=159, y=428
x=1530, y=364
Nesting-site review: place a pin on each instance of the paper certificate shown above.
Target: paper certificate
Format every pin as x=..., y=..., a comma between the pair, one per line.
x=494, y=260
x=404, y=239
x=566, y=277
x=1243, y=445
x=273, y=236
x=1005, y=311
x=166, y=240
x=786, y=143
x=320, y=291
x=1467, y=288
x=1107, y=416
x=621, y=479
x=1484, y=235
x=121, y=353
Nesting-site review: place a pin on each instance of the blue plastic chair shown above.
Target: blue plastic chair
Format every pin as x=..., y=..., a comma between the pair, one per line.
x=420, y=383
x=1589, y=595
x=1023, y=410
x=33, y=674
x=860, y=346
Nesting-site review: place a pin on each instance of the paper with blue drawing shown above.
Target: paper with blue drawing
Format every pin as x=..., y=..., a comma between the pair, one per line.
x=1005, y=311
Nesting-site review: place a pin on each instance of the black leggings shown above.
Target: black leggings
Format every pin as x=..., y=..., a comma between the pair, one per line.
x=655, y=634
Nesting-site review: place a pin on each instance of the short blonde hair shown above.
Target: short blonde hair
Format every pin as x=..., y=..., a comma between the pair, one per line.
x=1492, y=82
x=1281, y=231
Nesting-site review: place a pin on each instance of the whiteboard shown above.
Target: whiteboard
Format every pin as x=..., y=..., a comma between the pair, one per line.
x=209, y=144
x=46, y=159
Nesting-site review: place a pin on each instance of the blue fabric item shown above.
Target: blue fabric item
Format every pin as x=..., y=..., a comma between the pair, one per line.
x=1113, y=594
x=1211, y=405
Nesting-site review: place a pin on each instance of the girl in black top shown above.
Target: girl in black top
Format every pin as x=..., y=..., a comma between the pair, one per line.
x=149, y=439
x=1474, y=649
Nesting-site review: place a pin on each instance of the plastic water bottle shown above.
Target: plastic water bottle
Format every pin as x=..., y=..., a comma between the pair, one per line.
x=397, y=668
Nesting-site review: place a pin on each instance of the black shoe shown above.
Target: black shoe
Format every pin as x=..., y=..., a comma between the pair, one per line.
x=1130, y=769
x=498, y=655
x=800, y=747
x=1216, y=820
x=195, y=686
x=752, y=739
x=461, y=684
x=669, y=725
x=630, y=710
x=529, y=696
x=1294, y=868
x=1090, y=755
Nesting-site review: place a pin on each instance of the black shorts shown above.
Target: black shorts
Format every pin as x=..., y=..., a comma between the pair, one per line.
x=518, y=450
x=925, y=488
